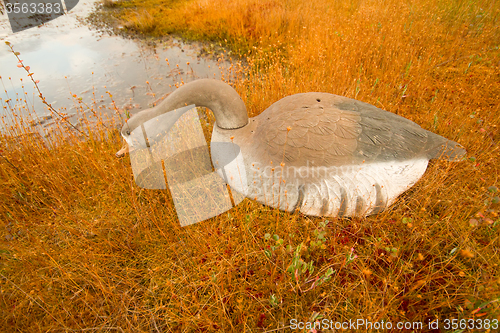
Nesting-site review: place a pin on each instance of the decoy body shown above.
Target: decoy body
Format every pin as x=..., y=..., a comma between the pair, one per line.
x=317, y=153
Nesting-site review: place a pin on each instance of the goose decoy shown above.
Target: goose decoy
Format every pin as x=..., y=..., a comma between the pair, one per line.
x=316, y=153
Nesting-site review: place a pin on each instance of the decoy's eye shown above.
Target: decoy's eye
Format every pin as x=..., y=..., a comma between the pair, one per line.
x=127, y=132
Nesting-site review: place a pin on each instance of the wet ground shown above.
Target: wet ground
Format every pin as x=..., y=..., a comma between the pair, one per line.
x=69, y=57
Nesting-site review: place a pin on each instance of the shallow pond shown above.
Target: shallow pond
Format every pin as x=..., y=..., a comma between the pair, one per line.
x=68, y=57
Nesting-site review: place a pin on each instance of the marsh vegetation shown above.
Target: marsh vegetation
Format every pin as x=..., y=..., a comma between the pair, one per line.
x=83, y=248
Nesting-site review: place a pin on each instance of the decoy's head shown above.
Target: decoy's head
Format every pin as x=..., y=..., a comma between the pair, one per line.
x=124, y=149
x=130, y=125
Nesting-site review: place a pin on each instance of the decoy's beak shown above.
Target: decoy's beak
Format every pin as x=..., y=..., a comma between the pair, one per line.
x=123, y=151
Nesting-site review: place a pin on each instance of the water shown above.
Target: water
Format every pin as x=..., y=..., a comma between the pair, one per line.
x=67, y=56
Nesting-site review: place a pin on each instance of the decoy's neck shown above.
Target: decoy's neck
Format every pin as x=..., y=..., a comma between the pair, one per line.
x=229, y=109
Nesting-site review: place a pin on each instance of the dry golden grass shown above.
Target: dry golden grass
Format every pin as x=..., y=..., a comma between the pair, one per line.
x=83, y=248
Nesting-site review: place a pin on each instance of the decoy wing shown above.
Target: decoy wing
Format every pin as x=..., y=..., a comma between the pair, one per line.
x=331, y=130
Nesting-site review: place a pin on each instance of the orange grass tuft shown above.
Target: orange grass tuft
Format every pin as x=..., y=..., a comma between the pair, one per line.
x=83, y=248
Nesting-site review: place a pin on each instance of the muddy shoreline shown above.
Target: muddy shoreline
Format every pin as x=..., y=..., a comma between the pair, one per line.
x=104, y=19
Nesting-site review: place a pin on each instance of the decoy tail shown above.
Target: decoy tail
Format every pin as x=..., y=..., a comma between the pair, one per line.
x=448, y=150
